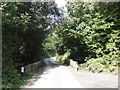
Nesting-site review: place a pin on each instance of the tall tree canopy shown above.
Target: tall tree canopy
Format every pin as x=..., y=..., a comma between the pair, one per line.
x=24, y=27
x=91, y=31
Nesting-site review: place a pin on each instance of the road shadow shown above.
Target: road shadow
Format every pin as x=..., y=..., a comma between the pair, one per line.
x=50, y=66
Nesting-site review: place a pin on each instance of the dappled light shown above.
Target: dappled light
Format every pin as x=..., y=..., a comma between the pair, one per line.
x=60, y=44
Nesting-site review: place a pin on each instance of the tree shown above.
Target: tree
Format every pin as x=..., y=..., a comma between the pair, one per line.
x=91, y=31
x=23, y=33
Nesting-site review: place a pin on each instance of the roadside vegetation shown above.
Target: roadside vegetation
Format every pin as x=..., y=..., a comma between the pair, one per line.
x=24, y=28
x=89, y=33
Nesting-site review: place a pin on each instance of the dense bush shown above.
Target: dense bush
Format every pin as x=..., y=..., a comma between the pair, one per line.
x=49, y=45
x=64, y=59
x=102, y=64
x=23, y=32
x=96, y=65
x=92, y=31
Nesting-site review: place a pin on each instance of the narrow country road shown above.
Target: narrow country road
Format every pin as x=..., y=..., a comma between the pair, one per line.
x=55, y=76
x=95, y=80
x=59, y=76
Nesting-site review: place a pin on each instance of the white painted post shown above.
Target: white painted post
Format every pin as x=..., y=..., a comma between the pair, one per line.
x=22, y=69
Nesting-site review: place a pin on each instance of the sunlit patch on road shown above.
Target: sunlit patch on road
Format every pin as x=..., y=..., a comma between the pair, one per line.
x=55, y=76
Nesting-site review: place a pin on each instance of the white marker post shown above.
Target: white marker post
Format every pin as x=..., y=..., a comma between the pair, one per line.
x=22, y=70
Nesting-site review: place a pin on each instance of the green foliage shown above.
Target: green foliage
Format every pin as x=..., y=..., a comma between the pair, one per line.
x=107, y=63
x=101, y=64
x=13, y=79
x=50, y=45
x=23, y=33
x=92, y=31
x=63, y=58
x=96, y=65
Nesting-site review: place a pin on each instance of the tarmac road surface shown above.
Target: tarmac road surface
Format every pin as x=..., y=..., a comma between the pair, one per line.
x=55, y=76
x=59, y=76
